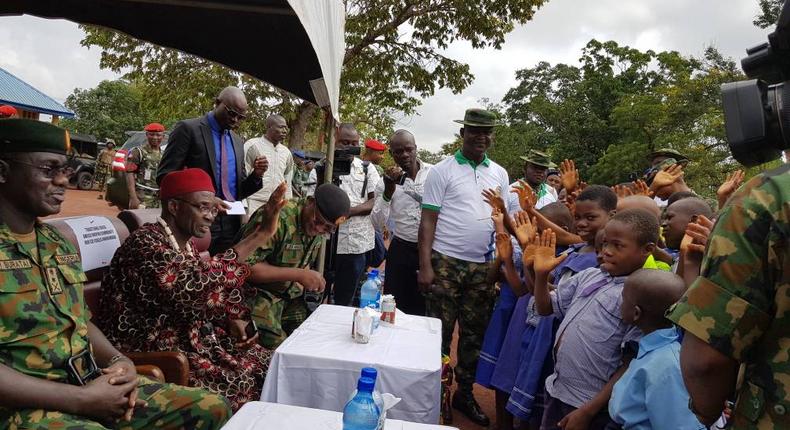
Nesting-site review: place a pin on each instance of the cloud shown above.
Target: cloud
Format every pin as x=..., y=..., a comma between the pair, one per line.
x=47, y=54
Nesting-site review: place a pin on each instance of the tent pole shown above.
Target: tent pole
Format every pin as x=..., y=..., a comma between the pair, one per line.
x=329, y=165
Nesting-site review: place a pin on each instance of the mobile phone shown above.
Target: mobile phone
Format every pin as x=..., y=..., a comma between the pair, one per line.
x=251, y=329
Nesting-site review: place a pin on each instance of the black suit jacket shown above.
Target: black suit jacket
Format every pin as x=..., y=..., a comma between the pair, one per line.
x=192, y=145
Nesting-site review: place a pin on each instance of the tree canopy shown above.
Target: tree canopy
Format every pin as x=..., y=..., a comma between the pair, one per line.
x=107, y=111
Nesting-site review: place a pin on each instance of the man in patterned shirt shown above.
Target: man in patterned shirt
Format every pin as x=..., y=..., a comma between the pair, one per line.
x=737, y=312
x=281, y=266
x=57, y=370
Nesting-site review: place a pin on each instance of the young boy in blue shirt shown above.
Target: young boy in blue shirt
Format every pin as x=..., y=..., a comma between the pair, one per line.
x=651, y=393
x=588, y=350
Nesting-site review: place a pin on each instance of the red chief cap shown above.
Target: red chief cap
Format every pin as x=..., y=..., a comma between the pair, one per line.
x=180, y=182
x=155, y=127
x=375, y=145
x=7, y=110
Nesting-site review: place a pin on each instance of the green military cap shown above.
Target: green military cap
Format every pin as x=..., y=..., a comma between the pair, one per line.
x=538, y=158
x=27, y=135
x=478, y=118
x=332, y=202
x=667, y=152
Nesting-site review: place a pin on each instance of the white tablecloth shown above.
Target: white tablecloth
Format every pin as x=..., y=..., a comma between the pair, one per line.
x=318, y=365
x=263, y=415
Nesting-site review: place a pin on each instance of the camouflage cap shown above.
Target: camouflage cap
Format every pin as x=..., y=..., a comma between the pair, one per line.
x=667, y=152
x=478, y=118
x=27, y=135
x=538, y=158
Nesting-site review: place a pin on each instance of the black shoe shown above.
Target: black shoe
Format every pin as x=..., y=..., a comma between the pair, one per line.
x=467, y=404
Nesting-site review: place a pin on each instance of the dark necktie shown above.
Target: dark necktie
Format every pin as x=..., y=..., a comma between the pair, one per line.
x=223, y=169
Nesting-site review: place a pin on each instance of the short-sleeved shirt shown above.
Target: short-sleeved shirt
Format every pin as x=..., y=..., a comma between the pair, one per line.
x=43, y=316
x=740, y=304
x=546, y=194
x=588, y=348
x=464, y=229
x=651, y=393
x=356, y=235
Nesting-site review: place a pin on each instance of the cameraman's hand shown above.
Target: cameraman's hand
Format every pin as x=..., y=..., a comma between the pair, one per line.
x=391, y=176
x=312, y=281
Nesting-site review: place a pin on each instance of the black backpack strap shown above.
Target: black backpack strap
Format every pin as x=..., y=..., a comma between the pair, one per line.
x=365, y=165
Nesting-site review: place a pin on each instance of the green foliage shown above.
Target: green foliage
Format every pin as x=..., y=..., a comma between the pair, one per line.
x=107, y=111
x=393, y=59
x=769, y=13
x=616, y=107
x=428, y=156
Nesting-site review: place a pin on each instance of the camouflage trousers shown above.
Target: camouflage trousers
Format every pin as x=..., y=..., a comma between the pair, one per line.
x=103, y=172
x=169, y=407
x=148, y=198
x=460, y=294
x=277, y=317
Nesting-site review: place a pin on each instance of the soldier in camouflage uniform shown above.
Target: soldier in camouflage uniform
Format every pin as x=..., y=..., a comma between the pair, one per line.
x=738, y=310
x=104, y=166
x=47, y=343
x=141, y=166
x=281, y=270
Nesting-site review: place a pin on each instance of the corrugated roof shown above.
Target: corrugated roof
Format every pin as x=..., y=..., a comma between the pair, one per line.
x=16, y=92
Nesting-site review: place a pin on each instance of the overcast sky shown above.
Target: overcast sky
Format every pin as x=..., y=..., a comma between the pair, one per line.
x=47, y=53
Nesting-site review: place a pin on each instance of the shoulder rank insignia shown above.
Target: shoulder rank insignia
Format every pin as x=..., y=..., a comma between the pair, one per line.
x=53, y=281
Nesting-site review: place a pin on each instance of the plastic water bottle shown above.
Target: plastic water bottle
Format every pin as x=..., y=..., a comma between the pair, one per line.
x=380, y=284
x=372, y=373
x=369, y=292
x=361, y=412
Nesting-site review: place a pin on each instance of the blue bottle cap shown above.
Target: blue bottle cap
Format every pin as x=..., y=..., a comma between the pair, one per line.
x=365, y=385
x=369, y=372
x=375, y=271
x=372, y=275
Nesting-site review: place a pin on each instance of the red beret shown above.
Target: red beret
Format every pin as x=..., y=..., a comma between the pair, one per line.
x=154, y=126
x=375, y=145
x=185, y=181
x=7, y=110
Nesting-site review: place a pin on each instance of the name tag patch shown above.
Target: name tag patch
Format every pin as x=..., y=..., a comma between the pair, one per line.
x=67, y=259
x=15, y=264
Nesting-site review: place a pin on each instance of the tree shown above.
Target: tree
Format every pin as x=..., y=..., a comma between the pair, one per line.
x=107, y=111
x=393, y=59
x=769, y=13
x=428, y=156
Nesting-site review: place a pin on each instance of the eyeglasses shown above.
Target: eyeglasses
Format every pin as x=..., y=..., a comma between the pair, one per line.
x=50, y=172
x=204, y=209
x=235, y=114
x=321, y=221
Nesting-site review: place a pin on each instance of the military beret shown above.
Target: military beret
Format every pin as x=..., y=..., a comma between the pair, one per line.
x=27, y=135
x=375, y=145
x=154, y=127
x=299, y=153
x=332, y=202
x=7, y=111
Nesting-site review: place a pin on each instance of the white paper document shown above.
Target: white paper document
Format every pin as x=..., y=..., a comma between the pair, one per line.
x=236, y=208
x=97, y=240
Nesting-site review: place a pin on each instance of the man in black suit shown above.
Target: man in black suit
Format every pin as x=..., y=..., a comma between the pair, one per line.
x=209, y=143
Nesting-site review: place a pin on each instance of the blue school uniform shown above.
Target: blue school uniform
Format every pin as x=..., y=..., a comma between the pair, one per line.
x=497, y=327
x=535, y=364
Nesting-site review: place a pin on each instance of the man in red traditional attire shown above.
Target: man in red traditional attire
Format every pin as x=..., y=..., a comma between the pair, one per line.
x=159, y=295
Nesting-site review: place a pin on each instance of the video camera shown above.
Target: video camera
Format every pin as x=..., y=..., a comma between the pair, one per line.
x=342, y=163
x=757, y=112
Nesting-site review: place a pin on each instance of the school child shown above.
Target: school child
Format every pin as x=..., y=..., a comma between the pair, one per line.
x=651, y=393
x=588, y=358
x=677, y=216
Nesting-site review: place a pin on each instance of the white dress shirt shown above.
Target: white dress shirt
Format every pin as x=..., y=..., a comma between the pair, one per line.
x=356, y=235
x=281, y=167
x=404, y=207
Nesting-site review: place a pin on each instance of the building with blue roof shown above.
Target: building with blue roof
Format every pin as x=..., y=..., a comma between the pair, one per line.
x=28, y=101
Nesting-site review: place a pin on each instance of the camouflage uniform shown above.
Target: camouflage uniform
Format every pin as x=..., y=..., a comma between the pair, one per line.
x=461, y=293
x=144, y=162
x=299, y=179
x=279, y=307
x=103, y=167
x=43, y=322
x=740, y=304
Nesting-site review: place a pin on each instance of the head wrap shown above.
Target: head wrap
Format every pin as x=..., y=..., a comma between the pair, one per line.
x=155, y=127
x=332, y=202
x=180, y=182
x=28, y=135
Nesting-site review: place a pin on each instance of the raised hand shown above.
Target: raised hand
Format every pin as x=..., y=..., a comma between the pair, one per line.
x=569, y=175
x=570, y=200
x=697, y=233
x=545, y=260
x=272, y=210
x=494, y=199
x=641, y=189
x=668, y=176
x=733, y=181
x=526, y=195
x=499, y=221
x=528, y=252
x=622, y=191
x=525, y=228
x=504, y=248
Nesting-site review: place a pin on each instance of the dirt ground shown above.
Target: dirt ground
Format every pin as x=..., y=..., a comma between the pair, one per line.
x=87, y=203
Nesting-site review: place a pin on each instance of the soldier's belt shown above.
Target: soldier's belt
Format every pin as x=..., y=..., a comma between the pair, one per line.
x=82, y=368
x=145, y=188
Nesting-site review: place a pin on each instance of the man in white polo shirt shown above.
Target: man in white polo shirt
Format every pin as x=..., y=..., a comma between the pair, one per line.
x=455, y=242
